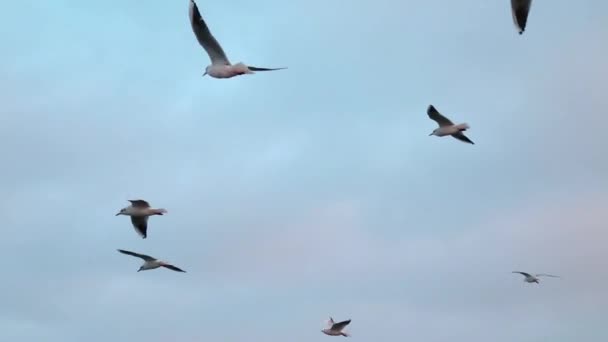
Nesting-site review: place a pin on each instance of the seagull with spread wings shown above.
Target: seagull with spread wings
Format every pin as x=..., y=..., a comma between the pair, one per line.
x=220, y=65
x=336, y=329
x=519, y=11
x=447, y=127
x=140, y=210
x=150, y=263
x=534, y=278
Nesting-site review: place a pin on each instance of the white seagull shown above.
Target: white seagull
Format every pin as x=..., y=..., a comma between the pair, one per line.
x=534, y=278
x=140, y=210
x=519, y=11
x=151, y=263
x=336, y=329
x=220, y=65
x=447, y=127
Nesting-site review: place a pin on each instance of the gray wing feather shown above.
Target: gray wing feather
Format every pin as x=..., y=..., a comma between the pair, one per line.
x=143, y=256
x=340, y=325
x=139, y=203
x=523, y=273
x=520, y=10
x=434, y=114
x=252, y=68
x=140, y=223
x=462, y=137
x=205, y=38
x=171, y=267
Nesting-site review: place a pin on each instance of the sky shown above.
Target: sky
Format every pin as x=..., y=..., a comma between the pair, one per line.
x=309, y=192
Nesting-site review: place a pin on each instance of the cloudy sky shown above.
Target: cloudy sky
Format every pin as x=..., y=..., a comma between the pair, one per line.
x=315, y=191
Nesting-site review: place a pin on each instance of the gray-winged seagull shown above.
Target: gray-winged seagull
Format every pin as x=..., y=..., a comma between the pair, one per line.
x=220, y=65
x=447, y=127
x=151, y=263
x=336, y=329
x=519, y=11
x=534, y=278
x=140, y=210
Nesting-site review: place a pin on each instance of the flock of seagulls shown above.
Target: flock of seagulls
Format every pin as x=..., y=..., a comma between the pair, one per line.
x=220, y=67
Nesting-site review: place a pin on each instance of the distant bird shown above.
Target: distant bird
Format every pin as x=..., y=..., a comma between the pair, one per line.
x=220, y=66
x=534, y=278
x=519, y=11
x=336, y=329
x=150, y=263
x=447, y=127
x=140, y=210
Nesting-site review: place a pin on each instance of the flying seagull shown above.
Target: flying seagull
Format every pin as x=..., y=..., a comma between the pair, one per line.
x=150, y=263
x=220, y=65
x=520, y=10
x=139, y=210
x=534, y=278
x=336, y=329
x=447, y=127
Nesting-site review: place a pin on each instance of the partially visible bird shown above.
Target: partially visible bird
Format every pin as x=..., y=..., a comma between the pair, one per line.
x=140, y=210
x=447, y=127
x=519, y=11
x=220, y=65
x=534, y=278
x=336, y=329
x=150, y=263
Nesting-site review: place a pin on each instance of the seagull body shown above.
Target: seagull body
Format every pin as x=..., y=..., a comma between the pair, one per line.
x=220, y=65
x=519, y=11
x=534, y=278
x=447, y=127
x=336, y=329
x=151, y=263
x=140, y=210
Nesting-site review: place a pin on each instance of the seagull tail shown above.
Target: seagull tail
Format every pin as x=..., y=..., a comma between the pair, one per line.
x=160, y=211
x=463, y=127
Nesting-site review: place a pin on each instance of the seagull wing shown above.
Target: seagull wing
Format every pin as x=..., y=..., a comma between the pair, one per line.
x=252, y=68
x=340, y=325
x=140, y=223
x=143, y=256
x=519, y=11
x=547, y=275
x=205, y=38
x=523, y=273
x=139, y=204
x=437, y=117
x=171, y=267
x=462, y=137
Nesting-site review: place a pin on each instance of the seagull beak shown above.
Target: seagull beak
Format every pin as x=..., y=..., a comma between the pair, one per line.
x=117, y=214
x=431, y=134
x=204, y=74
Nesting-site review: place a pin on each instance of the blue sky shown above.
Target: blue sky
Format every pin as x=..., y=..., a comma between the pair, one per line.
x=314, y=191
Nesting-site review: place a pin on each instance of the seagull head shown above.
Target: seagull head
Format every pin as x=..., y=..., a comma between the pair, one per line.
x=122, y=211
x=432, y=133
x=206, y=71
x=140, y=268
